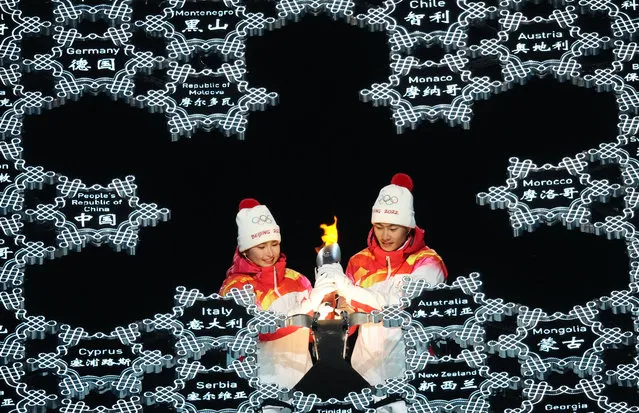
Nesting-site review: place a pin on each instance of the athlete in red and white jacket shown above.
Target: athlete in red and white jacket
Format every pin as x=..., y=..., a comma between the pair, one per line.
x=375, y=275
x=283, y=357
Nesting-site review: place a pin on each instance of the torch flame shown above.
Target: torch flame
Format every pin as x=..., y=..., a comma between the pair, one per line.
x=330, y=234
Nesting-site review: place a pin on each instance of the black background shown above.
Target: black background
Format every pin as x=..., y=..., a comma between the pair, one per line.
x=320, y=152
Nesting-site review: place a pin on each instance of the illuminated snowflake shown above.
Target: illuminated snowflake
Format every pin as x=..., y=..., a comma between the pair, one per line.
x=98, y=214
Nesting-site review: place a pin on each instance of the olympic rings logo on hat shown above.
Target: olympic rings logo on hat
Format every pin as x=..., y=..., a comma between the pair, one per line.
x=388, y=199
x=262, y=219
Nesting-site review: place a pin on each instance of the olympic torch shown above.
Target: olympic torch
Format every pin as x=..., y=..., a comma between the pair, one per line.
x=330, y=335
x=329, y=253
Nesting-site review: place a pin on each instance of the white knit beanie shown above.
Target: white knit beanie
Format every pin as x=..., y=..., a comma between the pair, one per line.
x=394, y=205
x=255, y=225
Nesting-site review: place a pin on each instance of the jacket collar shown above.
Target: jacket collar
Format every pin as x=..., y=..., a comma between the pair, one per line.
x=414, y=243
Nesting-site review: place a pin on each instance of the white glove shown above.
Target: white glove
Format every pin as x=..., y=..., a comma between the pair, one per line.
x=345, y=287
x=335, y=274
x=319, y=292
x=315, y=298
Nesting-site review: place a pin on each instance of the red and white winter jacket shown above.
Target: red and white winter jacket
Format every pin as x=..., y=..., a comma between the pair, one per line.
x=378, y=353
x=283, y=357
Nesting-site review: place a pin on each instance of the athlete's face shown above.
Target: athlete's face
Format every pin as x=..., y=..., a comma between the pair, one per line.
x=264, y=254
x=390, y=236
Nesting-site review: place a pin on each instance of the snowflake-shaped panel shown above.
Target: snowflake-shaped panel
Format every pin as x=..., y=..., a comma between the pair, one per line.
x=111, y=214
x=418, y=91
x=450, y=382
x=547, y=194
x=92, y=62
x=419, y=22
x=448, y=309
x=542, y=44
x=217, y=389
x=205, y=26
x=95, y=355
x=213, y=99
x=559, y=342
x=214, y=317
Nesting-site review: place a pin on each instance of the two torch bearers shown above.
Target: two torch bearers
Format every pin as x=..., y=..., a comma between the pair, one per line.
x=373, y=279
